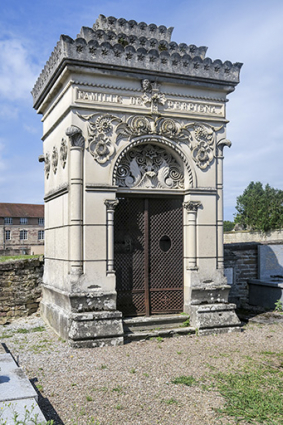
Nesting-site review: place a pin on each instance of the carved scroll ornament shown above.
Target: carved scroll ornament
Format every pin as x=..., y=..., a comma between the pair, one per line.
x=149, y=167
x=105, y=130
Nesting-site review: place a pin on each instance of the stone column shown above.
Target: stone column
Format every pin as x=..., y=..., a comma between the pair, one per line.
x=219, y=187
x=110, y=208
x=76, y=200
x=190, y=234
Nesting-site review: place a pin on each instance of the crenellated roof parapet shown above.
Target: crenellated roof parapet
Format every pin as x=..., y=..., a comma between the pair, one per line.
x=133, y=28
x=120, y=43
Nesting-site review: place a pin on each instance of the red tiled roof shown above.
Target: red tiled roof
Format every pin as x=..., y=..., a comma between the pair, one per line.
x=21, y=210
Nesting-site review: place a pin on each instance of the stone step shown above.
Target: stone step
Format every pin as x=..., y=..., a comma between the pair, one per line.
x=138, y=335
x=154, y=323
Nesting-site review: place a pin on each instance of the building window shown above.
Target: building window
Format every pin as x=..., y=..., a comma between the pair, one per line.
x=23, y=234
x=41, y=235
x=8, y=220
x=23, y=220
x=7, y=235
x=41, y=221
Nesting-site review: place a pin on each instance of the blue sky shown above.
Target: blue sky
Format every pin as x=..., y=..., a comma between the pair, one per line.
x=248, y=31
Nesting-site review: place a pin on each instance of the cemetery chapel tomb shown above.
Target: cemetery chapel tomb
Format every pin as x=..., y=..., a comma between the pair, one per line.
x=134, y=127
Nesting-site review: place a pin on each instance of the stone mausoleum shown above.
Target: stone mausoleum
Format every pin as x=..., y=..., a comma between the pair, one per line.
x=134, y=127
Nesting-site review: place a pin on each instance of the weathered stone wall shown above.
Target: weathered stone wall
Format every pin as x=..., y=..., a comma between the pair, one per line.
x=20, y=289
x=242, y=259
x=245, y=236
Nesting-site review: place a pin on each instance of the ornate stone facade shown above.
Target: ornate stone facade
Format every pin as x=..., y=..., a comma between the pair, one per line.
x=145, y=120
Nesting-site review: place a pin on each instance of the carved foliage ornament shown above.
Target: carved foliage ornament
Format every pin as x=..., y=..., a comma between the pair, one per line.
x=63, y=153
x=203, y=152
x=199, y=137
x=54, y=159
x=149, y=166
x=47, y=165
x=100, y=131
x=151, y=95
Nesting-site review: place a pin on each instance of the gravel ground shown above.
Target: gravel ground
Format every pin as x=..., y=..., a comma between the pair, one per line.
x=132, y=384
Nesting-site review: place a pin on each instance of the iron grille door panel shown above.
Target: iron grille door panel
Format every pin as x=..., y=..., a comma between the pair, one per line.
x=162, y=220
x=166, y=262
x=129, y=256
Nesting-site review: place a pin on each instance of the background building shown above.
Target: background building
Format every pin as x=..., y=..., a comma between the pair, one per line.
x=21, y=229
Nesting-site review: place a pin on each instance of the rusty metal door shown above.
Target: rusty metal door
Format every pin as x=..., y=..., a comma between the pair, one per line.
x=149, y=255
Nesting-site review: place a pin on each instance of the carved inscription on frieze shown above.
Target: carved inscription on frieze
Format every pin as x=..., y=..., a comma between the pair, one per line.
x=151, y=103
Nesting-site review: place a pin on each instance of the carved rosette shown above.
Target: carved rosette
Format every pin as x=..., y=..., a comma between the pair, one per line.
x=101, y=148
x=47, y=165
x=54, y=159
x=100, y=131
x=63, y=153
x=203, y=152
x=149, y=167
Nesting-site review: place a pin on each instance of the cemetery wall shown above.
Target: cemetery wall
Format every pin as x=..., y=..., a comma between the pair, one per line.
x=245, y=236
x=241, y=260
x=240, y=264
x=20, y=289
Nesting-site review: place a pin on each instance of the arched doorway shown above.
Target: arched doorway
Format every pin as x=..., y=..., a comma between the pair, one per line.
x=148, y=236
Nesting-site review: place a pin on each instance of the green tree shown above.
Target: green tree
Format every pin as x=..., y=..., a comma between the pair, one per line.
x=260, y=208
x=228, y=226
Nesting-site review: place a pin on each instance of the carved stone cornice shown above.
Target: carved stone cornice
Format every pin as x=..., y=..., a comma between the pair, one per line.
x=117, y=42
x=111, y=204
x=192, y=206
x=75, y=135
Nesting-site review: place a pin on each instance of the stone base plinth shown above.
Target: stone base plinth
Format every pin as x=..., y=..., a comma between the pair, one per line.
x=214, y=318
x=210, y=295
x=70, y=316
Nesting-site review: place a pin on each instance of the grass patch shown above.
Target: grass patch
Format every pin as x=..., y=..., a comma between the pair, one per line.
x=170, y=401
x=184, y=380
x=117, y=389
x=253, y=394
x=185, y=324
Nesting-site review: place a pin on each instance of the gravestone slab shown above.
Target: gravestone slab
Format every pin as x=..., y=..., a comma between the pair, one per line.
x=26, y=410
x=270, y=261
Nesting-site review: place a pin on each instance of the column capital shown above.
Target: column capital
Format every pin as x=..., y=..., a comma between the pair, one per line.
x=75, y=135
x=192, y=206
x=111, y=204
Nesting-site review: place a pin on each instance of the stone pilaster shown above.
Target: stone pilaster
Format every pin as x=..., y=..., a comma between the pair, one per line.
x=110, y=208
x=191, y=238
x=76, y=200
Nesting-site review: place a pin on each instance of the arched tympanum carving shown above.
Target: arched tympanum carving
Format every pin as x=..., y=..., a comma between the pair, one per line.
x=147, y=163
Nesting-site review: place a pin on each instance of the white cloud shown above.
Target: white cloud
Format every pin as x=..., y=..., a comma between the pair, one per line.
x=17, y=71
x=8, y=111
x=30, y=129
